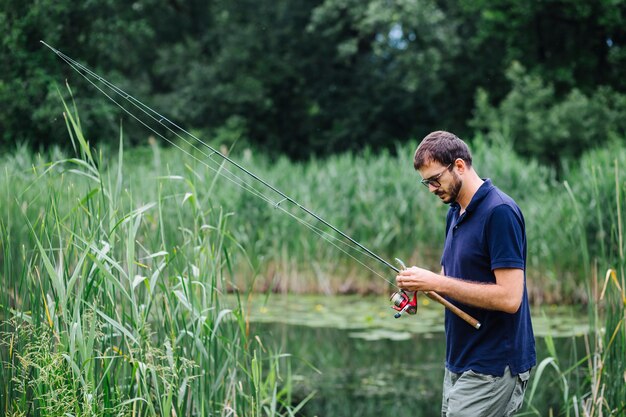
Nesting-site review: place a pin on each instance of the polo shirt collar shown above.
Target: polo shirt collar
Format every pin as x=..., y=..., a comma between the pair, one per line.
x=480, y=195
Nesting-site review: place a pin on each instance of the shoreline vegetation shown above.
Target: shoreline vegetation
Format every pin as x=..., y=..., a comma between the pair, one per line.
x=374, y=198
x=115, y=263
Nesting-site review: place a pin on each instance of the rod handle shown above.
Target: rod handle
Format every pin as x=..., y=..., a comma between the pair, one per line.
x=456, y=310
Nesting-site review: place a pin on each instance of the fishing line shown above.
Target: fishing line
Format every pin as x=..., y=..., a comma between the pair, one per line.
x=238, y=181
x=400, y=299
x=222, y=170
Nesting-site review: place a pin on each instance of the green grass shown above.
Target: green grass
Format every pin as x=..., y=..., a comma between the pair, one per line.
x=375, y=198
x=105, y=313
x=596, y=385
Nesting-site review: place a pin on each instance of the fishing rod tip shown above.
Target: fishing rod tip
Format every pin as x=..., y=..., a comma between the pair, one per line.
x=48, y=46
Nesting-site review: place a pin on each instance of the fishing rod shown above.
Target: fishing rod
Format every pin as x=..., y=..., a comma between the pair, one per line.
x=400, y=299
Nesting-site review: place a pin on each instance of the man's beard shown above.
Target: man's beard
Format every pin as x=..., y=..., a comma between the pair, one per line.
x=450, y=194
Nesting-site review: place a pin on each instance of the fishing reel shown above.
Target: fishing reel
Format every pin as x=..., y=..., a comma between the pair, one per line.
x=403, y=303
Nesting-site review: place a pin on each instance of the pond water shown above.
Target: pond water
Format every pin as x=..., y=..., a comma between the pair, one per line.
x=360, y=361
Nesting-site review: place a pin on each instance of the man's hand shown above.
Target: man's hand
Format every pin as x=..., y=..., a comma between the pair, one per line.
x=417, y=279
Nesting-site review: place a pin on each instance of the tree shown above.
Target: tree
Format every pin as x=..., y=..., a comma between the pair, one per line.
x=568, y=43
x=549, y=128
x=96, y=32
x=299, y=77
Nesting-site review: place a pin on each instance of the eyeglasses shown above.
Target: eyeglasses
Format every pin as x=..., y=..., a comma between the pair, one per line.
x=434, y=180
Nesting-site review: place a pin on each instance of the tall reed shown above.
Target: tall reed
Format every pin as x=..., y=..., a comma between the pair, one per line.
x=373, y=197
x=105, y=314
x=596, y=385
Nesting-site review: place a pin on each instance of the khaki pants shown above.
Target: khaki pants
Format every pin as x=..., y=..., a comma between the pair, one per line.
x=471, y=394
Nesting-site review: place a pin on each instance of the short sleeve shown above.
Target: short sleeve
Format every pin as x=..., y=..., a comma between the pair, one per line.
x=506, y=238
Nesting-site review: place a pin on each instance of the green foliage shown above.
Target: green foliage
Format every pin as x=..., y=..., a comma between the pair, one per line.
x=307, y=78
x=599, y=200
x=546, y=127
x=373, y=197
x=569, y=44
x=385, y=73
x=106, y=315
x=99, y=31
x=310, y=77
x=593, y=385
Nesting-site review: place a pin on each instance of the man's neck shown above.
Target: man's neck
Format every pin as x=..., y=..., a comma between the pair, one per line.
x=471, y=184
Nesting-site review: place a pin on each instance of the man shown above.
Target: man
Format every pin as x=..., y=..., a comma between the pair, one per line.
x=483, y=272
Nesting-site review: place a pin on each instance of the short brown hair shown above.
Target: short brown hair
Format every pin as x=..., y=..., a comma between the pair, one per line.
x=442, y=147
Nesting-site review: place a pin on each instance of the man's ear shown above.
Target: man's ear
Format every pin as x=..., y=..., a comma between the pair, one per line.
x=460, y=165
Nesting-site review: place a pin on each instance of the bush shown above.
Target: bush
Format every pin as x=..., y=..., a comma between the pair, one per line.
x=545, y=126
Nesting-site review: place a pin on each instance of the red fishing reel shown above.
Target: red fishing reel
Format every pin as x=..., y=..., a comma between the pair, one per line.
x=402, y=303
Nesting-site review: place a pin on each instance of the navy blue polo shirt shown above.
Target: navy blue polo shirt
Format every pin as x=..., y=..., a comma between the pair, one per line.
x=490, y=234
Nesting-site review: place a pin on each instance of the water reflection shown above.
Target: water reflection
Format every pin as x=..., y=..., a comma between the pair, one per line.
x=361, y=377
x=361, y=361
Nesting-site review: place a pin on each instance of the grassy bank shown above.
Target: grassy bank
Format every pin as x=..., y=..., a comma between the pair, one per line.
x=596, y=385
